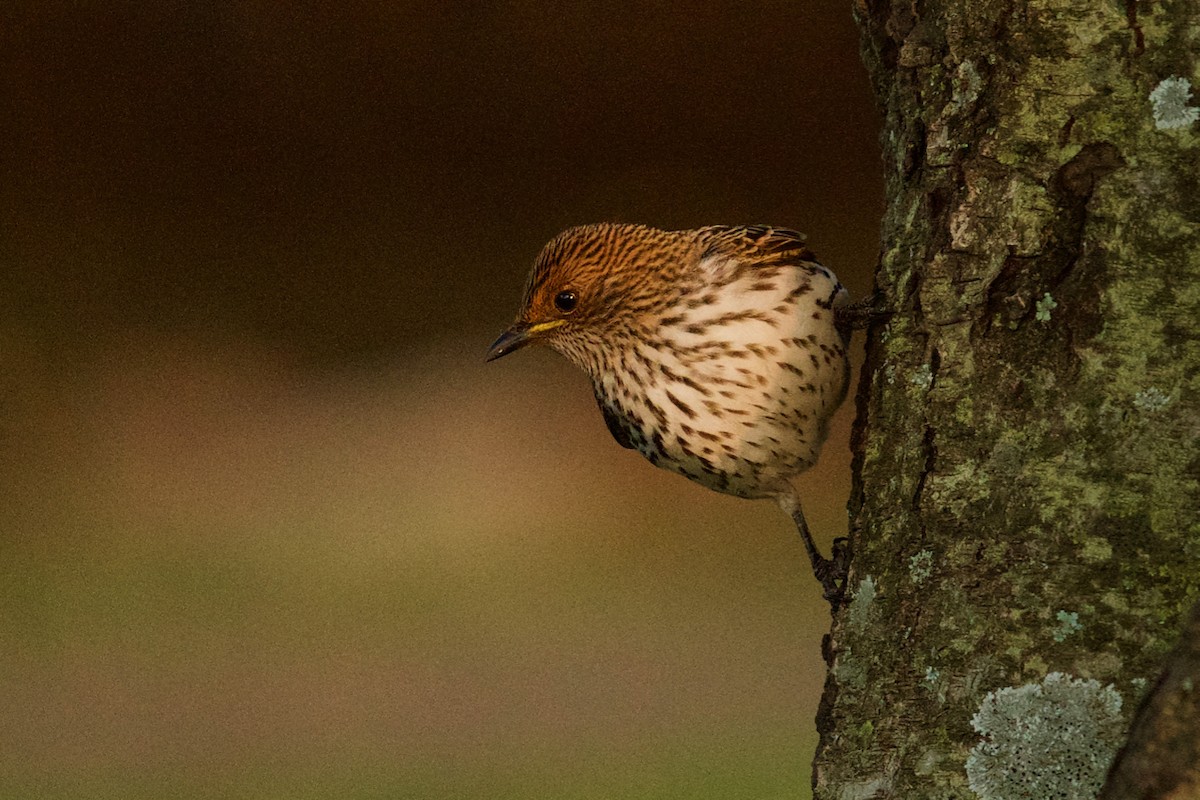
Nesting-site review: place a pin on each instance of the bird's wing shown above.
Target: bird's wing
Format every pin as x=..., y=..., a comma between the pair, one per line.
x=756, y=245
x=615, y=425
x=729, y=250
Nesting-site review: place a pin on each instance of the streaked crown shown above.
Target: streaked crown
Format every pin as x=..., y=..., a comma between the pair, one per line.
x=612, y=270
x=595, y=282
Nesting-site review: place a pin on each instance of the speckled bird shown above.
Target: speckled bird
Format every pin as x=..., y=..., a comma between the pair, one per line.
x=715, y=352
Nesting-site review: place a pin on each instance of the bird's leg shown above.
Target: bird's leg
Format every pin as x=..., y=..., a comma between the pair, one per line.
x=859, y=314
x=831, y=572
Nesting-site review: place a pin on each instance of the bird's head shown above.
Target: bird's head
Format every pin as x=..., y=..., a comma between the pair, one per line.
x=592, y=284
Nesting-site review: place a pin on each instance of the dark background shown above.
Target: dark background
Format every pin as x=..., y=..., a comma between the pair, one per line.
x=271, y=527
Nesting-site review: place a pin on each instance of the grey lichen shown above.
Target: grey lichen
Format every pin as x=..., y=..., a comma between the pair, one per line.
x=922, y=376
x=1068, y=623
x=1044, y=307
x=1151, y=400
x=967, y=84
x=920, y=566
x=1170, y=104
x=1052, y=740
x=933, y=682
x=864, y=596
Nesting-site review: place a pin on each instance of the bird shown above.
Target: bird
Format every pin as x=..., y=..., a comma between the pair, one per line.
x=716, y=353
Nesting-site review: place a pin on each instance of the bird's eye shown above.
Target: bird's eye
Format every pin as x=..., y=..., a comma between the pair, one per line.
x=566, y=301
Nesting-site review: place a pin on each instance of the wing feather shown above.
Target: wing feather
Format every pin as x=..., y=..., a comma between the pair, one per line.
x=757, y=245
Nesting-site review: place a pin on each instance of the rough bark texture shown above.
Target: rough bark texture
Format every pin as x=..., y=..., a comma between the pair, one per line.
x=1027, y=496
x=1161, y=760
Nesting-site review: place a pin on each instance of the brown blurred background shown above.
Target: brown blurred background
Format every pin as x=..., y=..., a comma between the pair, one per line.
x=270, y=527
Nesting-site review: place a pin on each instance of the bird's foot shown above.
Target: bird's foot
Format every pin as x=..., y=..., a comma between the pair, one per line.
x=859, y=314
x=832, y=572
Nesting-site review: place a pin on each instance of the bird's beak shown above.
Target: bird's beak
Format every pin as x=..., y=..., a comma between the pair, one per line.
x=517, y=336
x=512, y=339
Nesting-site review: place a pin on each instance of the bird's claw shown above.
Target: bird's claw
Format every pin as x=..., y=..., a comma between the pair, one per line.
x=832, y=572
x=859, y=314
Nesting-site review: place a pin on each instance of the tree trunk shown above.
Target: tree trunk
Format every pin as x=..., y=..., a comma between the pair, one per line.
x=1025, y=515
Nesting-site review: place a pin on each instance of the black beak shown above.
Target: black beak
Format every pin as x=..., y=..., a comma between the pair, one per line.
x=512, y=339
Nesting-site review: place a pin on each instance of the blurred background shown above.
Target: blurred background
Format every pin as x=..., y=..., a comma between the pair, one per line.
x=270, y=527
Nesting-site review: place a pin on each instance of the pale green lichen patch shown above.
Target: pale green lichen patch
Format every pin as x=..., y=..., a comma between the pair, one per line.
x=1068, y=623
x=1052, y=740
x=967, y=84
x=1170, y=103
x=860, y=606
x=1044, y=307
x=933, y=683
x=920, y=566
x=851, y=671
x=1151, y=399
x=922, y=376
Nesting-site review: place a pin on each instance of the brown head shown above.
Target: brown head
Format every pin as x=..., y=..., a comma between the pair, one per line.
x=594, y=283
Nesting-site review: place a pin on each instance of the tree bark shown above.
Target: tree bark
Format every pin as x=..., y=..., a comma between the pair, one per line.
x=1027, y=480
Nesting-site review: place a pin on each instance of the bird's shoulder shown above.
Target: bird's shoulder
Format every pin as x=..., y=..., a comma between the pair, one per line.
x=755, y=245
